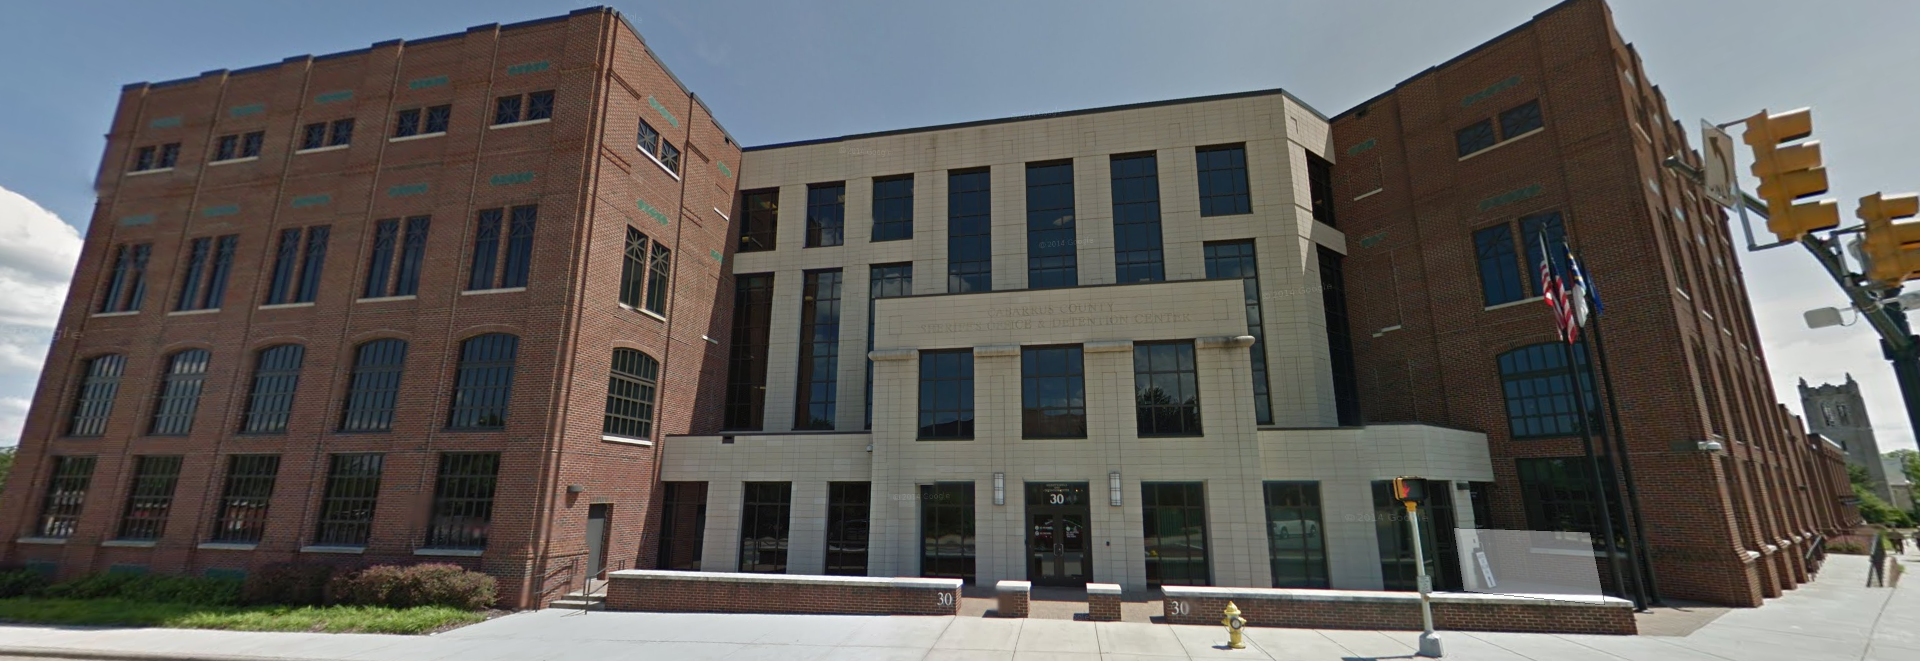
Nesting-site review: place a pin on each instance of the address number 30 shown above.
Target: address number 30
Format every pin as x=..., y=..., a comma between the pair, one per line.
x=946, y=598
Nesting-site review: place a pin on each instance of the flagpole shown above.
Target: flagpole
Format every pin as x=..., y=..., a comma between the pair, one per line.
x=1643, y=577
x=1593, y=466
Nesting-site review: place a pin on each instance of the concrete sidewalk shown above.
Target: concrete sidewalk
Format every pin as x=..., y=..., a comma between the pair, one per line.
x=1833, y=618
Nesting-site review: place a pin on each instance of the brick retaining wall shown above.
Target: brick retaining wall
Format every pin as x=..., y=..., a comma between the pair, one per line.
x=723, y=592
x=1356, y=609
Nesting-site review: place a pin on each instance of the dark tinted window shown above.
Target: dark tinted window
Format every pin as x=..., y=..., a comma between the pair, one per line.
x=1333, y=302
x=747, y=357
x=346, y=505
x=1166, y=388
x=848, y=508
x=826, y=214
x=1521, y=119
x=947, y=542
x=297, y=265
x=893, y=208
x=764, y=515
x=93, y=403
x=630, y=394
x=413, y=254
x=1295, y=546
x=1558, y=495
x=386, y=235
x=1053, y=392
x=276, y=376
x=149, y=497
x=1137, y=255
x=209, y=261
x=649, y=139
x=633, y=269
x=66, y=493
x=242, y=517
x=814, y=406
x=1223, y=180
x=463, y=500
x=1052, y=251
x=488, y=270
x=883, y=281
x=180, y=388
x=313, y=136
x=683, y=524
x=1474, y=138
x=763, y=216
x=1235, y=259
x=969, y=232
x=1499, y=267
x=1543, y=231
x=539, y=105
x=127, y=287
x=1539, y=392
x=659, y=269
x=946, y=394
x=483, y=384
x=437, y=118
x=1320, y=188
x=406, y=123
x=374, y=386
x=1174, y=515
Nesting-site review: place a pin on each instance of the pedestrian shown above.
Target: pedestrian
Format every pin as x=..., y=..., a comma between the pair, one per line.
x=1877, y=563
x=1899, y=541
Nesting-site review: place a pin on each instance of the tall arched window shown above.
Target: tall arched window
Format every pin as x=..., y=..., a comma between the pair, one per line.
x=374, y=386
x=93, y=404
x=484, y=382
x=276, y=374
x=1538, y=393
x=630, y=393
x=180, y=393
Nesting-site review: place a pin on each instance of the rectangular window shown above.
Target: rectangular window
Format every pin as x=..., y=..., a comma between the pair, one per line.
x=1532, y=229
x=341, y=133
x=313, y=136
x=519, y=108
x=230, y=147
x=764, y=515
x=143, y=159
x=1052, y=248
x=169, y=155
x=1557, y=494
x=1521, y=119
x=848, y=507
x=947, y=542
x=763, y=217
x=1295, y=547
x=659, y=272
x=463, y=500
x=819, y=351
x=893, y=208
x=1474, y=138
x=422, y=121
x=826, y=214
x=488, y=271
x=946, y=394
x=1397, y=570
x=66, y=494
x=250, y=144
x=1166, y=388
x=209, y=261
x=1223, y=180
x=373, y=389
x=969, y=231
x=296, y=270
x=346, y=505
x=747, y=357
x=649, y=140
x=1137, y=255
x=1231, y=260
x=506, y=110
x=658, y=148
x=683, y=525
x=670, y=157
x=383, y=275
x=633, y=269
x=128, y=285
x=1499, y=267
x=1538, y=393
x=1053, y=392
x=161, y=157
x=93, y=404
x=1333, y=302
x=276, y=377
x=1174, y=515
x=1320, y=188
x=320, y=134
x=180, y=388
x=883, y=281
x=149, y=497
x=242, y=517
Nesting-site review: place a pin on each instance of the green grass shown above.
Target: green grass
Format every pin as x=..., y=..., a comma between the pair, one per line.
x=330, y=619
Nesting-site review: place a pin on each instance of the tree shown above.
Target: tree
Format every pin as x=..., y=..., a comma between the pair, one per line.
x=1872, y=508
x=6, y=463
x=1909, y=463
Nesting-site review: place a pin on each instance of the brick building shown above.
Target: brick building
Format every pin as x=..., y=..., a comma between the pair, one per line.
x=366, y=307
x=440, y=299
x=1446, y=184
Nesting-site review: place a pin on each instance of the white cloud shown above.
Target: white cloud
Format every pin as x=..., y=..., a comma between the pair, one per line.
x=37, y=253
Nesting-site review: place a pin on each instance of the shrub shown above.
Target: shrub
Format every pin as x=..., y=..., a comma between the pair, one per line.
x=288, y=584
x=1847, y=548
x=21, y=583
x=415, y=585
x=149, y=588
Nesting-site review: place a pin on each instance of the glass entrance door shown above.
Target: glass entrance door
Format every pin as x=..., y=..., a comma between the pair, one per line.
x=1057, y=535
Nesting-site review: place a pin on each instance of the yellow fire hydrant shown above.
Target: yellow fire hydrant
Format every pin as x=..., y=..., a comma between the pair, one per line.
x=1234, y=624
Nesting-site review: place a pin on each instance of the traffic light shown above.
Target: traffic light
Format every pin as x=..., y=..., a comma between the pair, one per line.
x=1790, y=172
x=1891, y=249
x=1409, y=489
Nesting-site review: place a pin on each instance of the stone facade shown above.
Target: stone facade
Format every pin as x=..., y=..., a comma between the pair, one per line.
x=1838, y=411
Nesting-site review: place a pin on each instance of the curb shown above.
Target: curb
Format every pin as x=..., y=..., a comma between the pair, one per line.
x=114, y=655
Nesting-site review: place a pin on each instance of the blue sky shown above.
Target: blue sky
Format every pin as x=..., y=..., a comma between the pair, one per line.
x=780, y=71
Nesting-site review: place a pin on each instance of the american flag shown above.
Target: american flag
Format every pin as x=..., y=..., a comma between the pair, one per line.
x=1555, y=294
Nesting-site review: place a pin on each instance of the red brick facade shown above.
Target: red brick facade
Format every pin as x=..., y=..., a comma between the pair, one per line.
x=583, y=170
x=1687, y=363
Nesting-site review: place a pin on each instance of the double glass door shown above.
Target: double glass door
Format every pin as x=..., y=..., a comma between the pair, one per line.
x=1058, y=534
